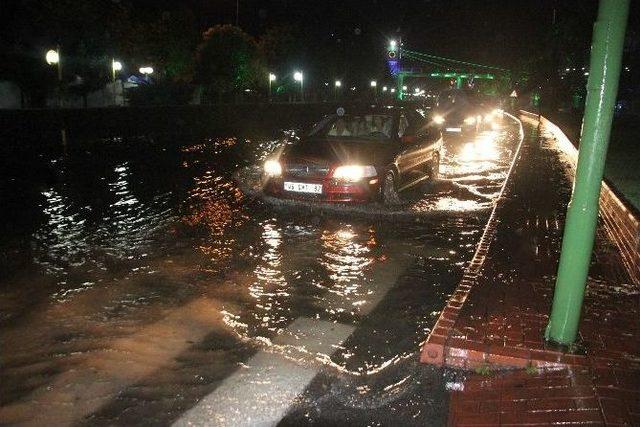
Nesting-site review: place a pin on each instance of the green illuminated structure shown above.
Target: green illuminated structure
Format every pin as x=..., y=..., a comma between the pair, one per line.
x=442, y=63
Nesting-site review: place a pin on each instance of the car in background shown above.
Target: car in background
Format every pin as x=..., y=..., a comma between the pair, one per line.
x=462, y=111
x=357, y=155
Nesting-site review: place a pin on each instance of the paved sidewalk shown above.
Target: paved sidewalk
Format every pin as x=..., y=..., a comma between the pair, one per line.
x=496, y=317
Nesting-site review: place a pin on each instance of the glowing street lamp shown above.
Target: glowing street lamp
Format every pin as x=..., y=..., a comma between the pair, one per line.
x=115, y=67
x=146, y=70
x=272, y=78
x=374, y=83
x=384, y=88
x=336, y=88
x=297, y=76
x=52, y=57
x=393, y=44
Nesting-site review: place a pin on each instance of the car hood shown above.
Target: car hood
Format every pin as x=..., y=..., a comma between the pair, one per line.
x=335, y=152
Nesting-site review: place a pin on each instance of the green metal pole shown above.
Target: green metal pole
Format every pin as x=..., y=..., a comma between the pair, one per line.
x=458, y=82
x=582, y=213
x=400, y=83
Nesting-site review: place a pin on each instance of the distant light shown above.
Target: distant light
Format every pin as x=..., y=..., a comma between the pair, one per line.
x=272, y=77
x=586, y=73
x=627, y=69
x=353, y=88
x=567, y=69
x=338, y=83
x=374, y=83
x=393, y=44
x=393, y=90
x=52, y=57
x=384, y=88
x=326, y=83
x=146, y=70
x=404, y=88
x=417, y=90
x=247, y=90
x=297, y=76
x=116, y=65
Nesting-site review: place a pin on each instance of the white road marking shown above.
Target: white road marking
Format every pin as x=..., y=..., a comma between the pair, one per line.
x=262, y=393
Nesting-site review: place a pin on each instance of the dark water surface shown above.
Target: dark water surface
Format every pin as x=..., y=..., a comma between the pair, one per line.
x=137, y=278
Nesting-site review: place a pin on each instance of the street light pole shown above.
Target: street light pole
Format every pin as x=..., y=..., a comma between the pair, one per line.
x=299, y=77
x=582, y=213
x=53, y=58
x=272, y=78
x=115, y=66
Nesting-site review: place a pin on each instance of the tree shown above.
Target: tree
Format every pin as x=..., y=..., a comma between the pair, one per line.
x=227, y=60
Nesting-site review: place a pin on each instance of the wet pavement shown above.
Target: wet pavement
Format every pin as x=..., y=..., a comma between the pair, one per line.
x=505, y=308
x=141, y=285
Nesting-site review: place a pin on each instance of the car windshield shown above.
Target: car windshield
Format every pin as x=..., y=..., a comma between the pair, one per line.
x=374, y=126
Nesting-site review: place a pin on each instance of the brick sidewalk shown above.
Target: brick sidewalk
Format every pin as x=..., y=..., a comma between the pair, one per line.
x=496, y=317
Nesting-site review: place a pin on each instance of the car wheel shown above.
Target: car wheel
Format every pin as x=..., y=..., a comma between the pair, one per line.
x=434, y=168
x=390, y=194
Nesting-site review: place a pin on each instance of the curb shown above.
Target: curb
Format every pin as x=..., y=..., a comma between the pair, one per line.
x=436, y=350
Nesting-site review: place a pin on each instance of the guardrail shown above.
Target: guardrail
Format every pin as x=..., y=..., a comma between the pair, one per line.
x=620, y=218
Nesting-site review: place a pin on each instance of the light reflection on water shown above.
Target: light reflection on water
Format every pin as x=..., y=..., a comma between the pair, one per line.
x=204, y=239
x=346, y=257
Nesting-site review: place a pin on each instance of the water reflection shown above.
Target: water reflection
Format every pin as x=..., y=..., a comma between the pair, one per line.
x=214, y=203
x=129, y=225
x=270, y=289
x=345, y=257
x=62, y=241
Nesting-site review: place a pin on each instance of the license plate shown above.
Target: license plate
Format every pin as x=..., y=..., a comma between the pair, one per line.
x=301, y=187
x=453, y=129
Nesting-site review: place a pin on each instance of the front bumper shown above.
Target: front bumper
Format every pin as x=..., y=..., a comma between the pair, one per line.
x=364, y=191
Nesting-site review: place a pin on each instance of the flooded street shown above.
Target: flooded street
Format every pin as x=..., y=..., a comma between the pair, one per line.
x=146, y=281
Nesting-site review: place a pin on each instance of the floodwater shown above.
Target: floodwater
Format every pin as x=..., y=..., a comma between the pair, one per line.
x=146, y=281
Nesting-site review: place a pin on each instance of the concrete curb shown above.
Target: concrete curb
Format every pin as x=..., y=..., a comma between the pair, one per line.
x=434, y=349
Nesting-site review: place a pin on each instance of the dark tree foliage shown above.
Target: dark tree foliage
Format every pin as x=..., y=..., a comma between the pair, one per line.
x=227, y=60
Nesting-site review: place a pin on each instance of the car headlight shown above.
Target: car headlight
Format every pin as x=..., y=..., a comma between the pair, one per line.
x=272, y=168
x=438, y=119
x=353, y=173
x=470, y=120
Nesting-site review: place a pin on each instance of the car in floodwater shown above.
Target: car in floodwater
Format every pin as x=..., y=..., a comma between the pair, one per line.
x=463, y=111
x=358, y=155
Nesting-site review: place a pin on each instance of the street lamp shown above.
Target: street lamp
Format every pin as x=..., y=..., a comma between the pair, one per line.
x=272, y=78
x=336, y=87
x=53, y=58
x=115, y=67
x=374, y=85
x=146, y=70
x=297, y=76
x=384, y=88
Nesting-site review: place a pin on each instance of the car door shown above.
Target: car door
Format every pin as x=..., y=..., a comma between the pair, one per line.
x=412, y=155
x=429, y=140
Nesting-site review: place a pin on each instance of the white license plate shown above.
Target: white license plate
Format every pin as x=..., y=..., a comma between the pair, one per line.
x=453, y=129
x=301, y=187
